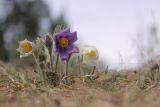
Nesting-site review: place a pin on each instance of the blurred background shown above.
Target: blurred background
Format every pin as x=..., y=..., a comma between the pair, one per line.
x=126, y=32
x=20, y=19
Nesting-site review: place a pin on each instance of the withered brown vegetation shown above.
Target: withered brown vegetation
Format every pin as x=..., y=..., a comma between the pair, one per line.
x=126, y=88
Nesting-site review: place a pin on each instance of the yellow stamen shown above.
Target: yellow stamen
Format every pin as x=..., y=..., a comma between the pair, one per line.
x=26, y=47
x=63, y=42
x=91, y=53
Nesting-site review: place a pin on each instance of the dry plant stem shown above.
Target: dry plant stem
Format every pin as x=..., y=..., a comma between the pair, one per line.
x=66, y=72
x=44, y=73
x=156, y=76
x=139, y=78
x=57, y=60
x=41, y=75
x=51, y=58
x=106, y=71
x=79, y=68
x=93, y=71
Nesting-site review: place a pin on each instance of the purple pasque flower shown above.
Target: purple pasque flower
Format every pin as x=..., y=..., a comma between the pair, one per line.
x=64, y=43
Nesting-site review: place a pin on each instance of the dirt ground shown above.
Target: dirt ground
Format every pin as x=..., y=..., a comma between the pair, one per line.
x=138, y=88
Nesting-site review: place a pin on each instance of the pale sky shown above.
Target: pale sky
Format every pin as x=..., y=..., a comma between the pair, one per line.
x=110, y=25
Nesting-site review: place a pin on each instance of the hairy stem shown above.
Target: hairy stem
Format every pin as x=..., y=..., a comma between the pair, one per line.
x=41, y=74
x=56, y=65
x=93, y=71
x=51, y=59
x=66, y=72
x=79, y=67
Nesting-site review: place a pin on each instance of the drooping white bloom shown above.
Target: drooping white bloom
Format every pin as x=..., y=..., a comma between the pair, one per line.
x=25, y=48
x=90, y=55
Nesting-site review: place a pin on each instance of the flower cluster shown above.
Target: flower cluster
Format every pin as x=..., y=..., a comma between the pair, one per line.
x=48, y=50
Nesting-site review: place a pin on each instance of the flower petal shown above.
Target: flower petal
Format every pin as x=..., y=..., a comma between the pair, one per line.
x=72, y=49
x=67, y=30
x=62, y=34
x=90, y=62
x=64, y=55
x=25, y=54
x=72, y=37
x=18, y=49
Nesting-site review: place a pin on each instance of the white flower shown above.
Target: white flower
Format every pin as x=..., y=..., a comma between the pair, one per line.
x=90, y=55
x=25, y=48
